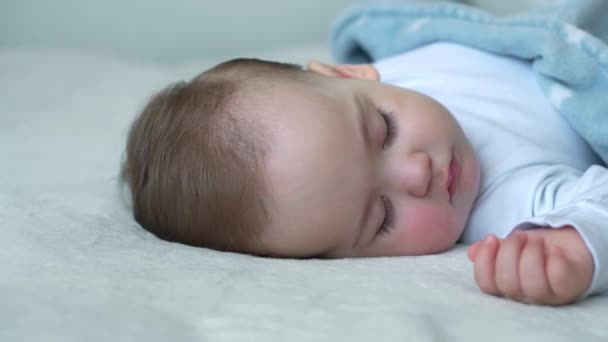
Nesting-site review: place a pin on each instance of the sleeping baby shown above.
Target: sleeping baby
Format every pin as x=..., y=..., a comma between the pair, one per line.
x=406, y=156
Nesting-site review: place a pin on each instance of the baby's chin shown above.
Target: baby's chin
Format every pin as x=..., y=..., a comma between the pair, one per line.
x=455, y=234
x=440, y=246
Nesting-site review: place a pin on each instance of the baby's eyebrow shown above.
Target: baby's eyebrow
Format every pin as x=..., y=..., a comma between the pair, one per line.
x=361, y=122
x=364, y=218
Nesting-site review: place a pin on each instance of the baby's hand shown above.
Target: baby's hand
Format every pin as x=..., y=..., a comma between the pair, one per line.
x=541, y=266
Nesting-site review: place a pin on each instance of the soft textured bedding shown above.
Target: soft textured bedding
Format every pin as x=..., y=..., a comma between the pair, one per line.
x=75, y=266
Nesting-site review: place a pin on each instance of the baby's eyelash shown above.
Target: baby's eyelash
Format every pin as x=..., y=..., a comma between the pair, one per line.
x=389, y=213
x=391, y=127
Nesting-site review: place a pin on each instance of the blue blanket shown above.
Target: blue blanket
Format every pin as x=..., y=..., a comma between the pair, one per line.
x=565, y=42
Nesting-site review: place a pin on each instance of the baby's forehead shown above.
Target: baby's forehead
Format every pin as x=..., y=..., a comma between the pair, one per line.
x=287, y=97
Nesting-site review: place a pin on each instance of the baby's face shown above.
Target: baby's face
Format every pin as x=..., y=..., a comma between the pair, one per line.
x=358, y=168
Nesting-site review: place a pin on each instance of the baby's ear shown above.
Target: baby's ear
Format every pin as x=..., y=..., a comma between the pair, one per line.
x=359, y=71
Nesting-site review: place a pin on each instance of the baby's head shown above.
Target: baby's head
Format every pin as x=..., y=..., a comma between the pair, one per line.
x=268, y=159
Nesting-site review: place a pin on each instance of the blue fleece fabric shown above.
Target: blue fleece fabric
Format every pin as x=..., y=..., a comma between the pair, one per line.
x=565, y=42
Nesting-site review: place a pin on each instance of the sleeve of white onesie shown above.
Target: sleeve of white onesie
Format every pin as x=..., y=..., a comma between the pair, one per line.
x=583, y=204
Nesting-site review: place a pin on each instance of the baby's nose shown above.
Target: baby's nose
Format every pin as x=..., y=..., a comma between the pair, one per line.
x=414, y=174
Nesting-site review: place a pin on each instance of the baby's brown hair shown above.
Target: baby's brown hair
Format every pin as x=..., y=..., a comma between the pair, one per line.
x=193, y=161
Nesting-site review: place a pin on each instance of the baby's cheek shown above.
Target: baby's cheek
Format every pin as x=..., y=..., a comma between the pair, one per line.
x=428, y=228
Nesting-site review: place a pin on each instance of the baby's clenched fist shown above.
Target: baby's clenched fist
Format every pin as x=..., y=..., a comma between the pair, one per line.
x=541, y=266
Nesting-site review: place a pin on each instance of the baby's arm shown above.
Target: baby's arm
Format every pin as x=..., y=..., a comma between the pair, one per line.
x=572, y=260
x=542, y=266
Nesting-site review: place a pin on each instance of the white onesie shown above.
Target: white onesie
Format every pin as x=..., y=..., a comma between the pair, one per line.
x=535, y=169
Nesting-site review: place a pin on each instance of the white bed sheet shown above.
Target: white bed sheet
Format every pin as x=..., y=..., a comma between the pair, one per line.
x=75, y=266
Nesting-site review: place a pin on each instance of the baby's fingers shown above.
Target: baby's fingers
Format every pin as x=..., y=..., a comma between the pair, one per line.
x=507, y=265
x=532, y=275
x=562, y=277
x=472, y=250
x=485, y=260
